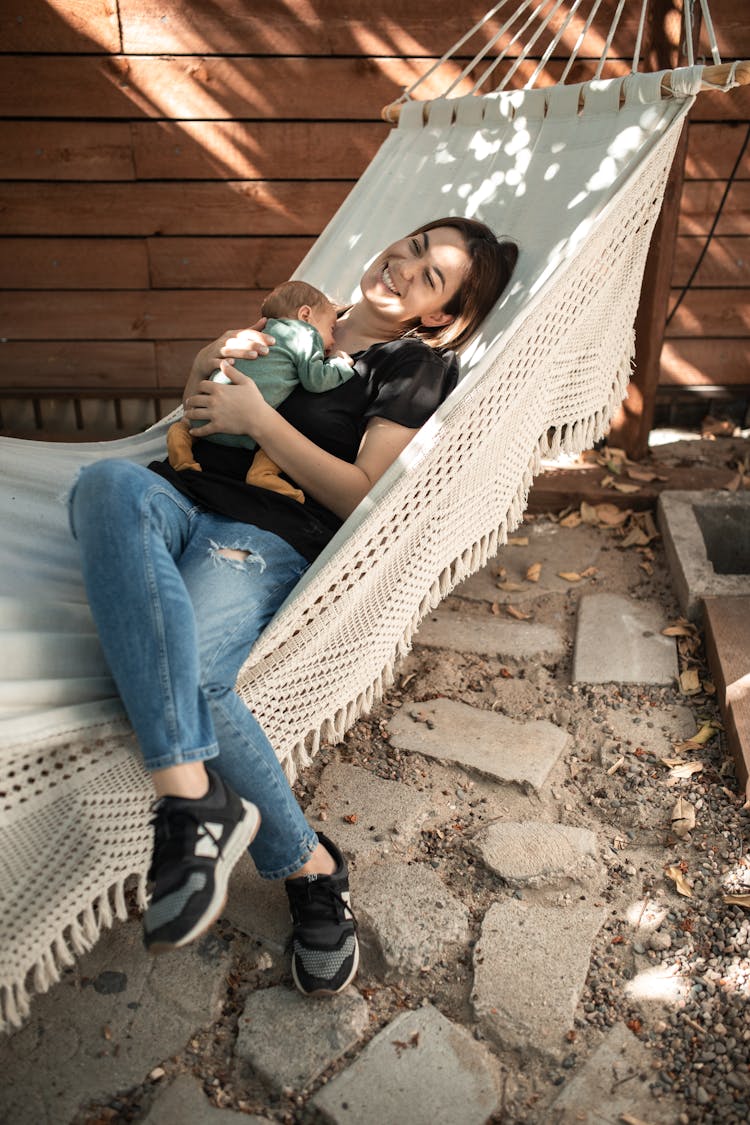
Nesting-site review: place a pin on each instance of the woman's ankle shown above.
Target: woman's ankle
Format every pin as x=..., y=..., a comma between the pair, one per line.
x=189, y=779
x=321, y=862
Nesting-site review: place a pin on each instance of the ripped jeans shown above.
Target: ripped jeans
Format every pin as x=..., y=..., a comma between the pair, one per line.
x=179, y=595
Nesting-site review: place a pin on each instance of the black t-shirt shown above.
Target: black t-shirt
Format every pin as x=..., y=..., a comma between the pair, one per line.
x=403, y=381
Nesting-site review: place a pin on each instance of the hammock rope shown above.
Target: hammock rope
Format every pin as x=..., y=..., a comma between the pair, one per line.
x=545, y=23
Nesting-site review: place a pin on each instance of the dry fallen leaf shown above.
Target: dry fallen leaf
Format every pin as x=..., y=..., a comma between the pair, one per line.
x=737, y=900
x=588, y=514
x=607, y=481
x=571, y=520
x=569, y=575
x=517, y=613
x=622, y=486
x=495, y=608
x=589, y=572
x=645, y=475
x=636, y=537
x=628, y=1119
x=682, y=769
x=533, y=572
x=509, y=587
x=681, y=629
x=680, y=882
x=611, y=516
x=690, y=681
x=700, y=738
x=351, y=818
x=647, y=567
x=683, y=817
x=519, y=541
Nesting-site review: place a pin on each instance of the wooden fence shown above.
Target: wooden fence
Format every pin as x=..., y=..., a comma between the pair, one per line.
x=163, y=165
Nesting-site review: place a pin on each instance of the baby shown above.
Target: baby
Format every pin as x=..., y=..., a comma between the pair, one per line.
x=301, y=320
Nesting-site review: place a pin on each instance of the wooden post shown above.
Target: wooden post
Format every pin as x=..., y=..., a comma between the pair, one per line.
x=634, y=421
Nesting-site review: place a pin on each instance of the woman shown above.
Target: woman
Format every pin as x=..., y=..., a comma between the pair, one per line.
x=183, y=571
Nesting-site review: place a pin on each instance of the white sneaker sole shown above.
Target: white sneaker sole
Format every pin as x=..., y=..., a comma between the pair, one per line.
x=244, y=833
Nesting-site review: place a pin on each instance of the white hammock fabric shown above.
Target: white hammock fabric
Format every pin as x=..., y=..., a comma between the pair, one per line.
x=575, y=175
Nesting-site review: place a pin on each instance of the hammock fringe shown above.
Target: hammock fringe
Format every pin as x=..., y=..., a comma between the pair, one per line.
x=71, y=942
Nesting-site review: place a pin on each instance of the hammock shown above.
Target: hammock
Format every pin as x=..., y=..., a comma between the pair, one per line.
x=575, y=174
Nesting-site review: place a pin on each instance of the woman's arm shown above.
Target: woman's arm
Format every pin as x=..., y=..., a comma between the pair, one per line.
x=338, y=485
x=242, y=343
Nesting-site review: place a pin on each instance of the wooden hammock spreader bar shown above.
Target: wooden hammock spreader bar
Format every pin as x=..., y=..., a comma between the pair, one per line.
x=714, y=77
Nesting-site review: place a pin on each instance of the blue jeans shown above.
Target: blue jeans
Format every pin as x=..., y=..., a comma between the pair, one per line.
x=176, y=618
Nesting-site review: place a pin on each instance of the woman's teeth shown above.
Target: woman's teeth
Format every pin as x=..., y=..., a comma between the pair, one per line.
x=389, y=281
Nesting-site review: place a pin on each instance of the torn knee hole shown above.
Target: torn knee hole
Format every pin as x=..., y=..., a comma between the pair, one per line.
x=232, y=553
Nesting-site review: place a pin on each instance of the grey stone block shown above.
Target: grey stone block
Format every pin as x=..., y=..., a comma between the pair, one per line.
x=184, y=1103
x=409, y=918
x=488, y=635
x=613, y=1082
x=492, y=744
x=530, y=966
x=421, y=1069
x=84, y=1043
x=619, y=640
x=289, y=1039
x=707, y=544
x=535, y=854
x=258, y=907
x=388, y=813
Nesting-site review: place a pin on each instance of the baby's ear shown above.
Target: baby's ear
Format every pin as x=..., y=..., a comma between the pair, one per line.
x=304, y=312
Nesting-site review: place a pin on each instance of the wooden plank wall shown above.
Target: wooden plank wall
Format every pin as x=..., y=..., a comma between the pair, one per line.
x=162, y=166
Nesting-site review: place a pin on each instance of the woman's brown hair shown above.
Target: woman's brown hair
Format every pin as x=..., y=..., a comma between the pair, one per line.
x=492, y=263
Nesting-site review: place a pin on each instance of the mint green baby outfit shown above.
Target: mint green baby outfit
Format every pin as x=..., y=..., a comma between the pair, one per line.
x=298, y=356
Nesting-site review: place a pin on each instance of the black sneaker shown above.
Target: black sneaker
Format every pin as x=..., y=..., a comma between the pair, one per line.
x=197, y=842
x=325, y=951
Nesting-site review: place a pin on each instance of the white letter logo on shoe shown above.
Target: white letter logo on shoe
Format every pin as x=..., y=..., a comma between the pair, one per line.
x=206, y=844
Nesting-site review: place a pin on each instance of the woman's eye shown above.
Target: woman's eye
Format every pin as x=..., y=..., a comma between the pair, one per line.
x=415, y=246
x=428, y=279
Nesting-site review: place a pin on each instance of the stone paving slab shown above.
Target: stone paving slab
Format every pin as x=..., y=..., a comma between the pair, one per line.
x=619, y=640
x=559, y=550
x=409, y=919
x=421, y=1069
x=184, y=1103
x=107, y=1023
x=258, y=907
x=536, y=854
x=289, y=1039
x=492, y=744
x=613, y=1082
x=488, y=635
x=530, y=966
x=387, y=814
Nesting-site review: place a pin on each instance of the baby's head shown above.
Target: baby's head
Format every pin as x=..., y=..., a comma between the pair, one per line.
x=296, y=300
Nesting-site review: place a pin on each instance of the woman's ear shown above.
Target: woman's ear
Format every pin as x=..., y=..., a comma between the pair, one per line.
x=304, y=312
x=437, y=320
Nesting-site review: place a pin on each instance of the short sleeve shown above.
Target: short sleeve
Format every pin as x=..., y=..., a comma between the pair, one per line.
x=411, y=380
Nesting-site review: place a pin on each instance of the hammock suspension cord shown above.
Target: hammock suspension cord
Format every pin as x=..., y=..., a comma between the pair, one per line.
x=521, y=12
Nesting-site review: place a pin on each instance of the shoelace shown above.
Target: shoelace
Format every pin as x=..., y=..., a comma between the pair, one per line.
x=329, y=901
x=169, y=842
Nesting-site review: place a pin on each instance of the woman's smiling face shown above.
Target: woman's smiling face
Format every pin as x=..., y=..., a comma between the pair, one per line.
x=416, y=277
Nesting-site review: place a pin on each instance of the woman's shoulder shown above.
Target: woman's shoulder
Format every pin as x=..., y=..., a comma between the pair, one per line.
x=411, y=350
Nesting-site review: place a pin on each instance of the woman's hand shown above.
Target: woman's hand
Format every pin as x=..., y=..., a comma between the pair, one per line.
x=242, y=343
x=227, y=408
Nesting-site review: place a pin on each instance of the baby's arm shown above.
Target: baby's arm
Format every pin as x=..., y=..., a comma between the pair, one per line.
x=318, y=372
